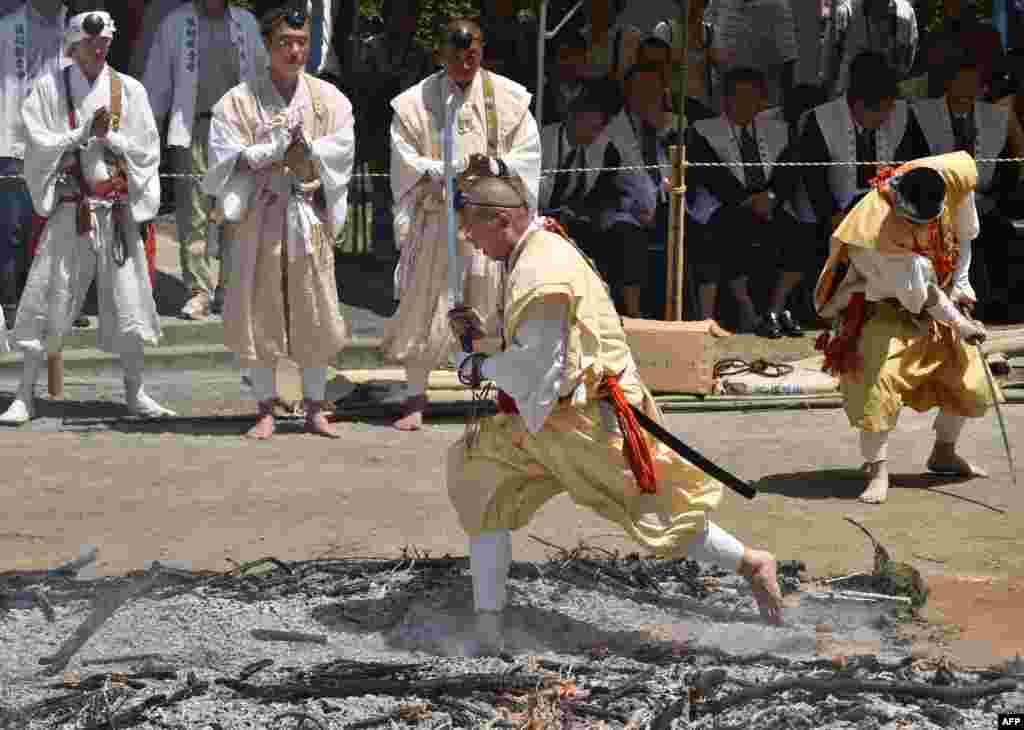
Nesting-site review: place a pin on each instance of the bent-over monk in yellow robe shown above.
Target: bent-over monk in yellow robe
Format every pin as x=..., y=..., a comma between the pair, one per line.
x=567, y=377
x=896, y=283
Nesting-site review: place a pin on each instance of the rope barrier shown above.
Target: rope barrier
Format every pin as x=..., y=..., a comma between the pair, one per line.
x=550, y=172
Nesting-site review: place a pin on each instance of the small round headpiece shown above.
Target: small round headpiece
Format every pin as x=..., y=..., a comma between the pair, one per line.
x=919, y=194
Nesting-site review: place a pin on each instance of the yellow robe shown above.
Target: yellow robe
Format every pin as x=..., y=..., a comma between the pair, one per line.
x=907, y=361
x=507, y=473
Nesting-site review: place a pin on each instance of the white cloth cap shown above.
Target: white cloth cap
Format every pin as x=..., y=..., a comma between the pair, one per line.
x=75, y=31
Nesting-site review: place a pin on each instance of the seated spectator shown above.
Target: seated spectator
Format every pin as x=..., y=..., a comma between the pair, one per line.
x=868, y=123
x=884, y=27
x=742, y=205
x=695, y=64
x=657, y=52
x=565, y=77
x=813, y=246
x=959, y=120
x=757, y=34
x=963, y=33
x=576, y=198
x=638, y=217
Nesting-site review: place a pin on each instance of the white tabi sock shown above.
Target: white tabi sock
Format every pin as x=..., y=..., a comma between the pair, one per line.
x=31, y=367
x=490, y=557
x=264, y=383
x=874, y=446
x=717, y=546
x=948, y=427
x=132, y=361
x=314, y=383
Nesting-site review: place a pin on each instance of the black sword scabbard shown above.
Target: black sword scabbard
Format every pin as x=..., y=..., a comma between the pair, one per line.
x=699, y=461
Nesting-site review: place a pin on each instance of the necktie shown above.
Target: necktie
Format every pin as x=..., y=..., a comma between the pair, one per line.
x=866, y=152
x=963, y=133
x=651, y=156
x=750, y=154
x=316, y=35
x=562, y=181
x=577, y=184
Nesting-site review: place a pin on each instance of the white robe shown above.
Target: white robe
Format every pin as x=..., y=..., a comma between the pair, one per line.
x=172, y=66
x=66, y=262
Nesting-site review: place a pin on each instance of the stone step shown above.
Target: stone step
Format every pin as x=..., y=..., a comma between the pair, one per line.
x=361, y=354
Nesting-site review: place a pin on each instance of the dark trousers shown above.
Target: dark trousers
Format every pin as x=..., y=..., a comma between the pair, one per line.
x=15, y=229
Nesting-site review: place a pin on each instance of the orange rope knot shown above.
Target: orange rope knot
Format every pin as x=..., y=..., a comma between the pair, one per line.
x=634, y=447
x=882, y=177
x=841, y=354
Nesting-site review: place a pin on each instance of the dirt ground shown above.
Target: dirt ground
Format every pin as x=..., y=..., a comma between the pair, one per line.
x=206, y=496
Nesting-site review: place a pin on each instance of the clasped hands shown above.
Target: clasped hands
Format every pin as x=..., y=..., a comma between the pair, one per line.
x=474, y=165
x=282, y=137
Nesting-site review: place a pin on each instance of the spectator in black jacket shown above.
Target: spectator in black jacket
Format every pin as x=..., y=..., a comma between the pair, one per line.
x=742, y=204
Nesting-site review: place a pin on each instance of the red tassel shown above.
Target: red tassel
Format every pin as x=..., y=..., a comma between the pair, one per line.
x=635, y=447
x=841, y=354
x=506, y=403
x=821, y=344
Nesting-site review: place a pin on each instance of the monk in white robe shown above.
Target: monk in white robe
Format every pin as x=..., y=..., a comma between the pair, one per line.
x=494, y=128
x=92, y=171
x=281, y=150
x=567, y=380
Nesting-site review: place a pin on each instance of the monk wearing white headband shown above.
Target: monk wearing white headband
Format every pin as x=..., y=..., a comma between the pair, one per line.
x=91, y=167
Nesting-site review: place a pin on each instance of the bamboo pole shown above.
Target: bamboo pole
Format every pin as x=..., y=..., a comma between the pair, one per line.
x=675, y=246
x=675, y=259
x=55, y=374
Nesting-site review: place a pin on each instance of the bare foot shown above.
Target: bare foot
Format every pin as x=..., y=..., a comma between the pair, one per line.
x=952, y=464
x=412, y=414
x=878, y=483
x=317, y=423
x=264, y=427
x=717, y=330
x=759, y=569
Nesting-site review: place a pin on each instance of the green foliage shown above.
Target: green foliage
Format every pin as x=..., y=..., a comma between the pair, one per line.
x=937, y=13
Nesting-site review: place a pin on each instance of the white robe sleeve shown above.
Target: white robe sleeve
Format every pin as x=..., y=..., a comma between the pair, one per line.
x=524, y=156
x=232, y=187
x=901, y=276
x=532, y=369
x=138, y=144
x=46, y=141
x=334, y=154
x=968, y=227
x=407, y=163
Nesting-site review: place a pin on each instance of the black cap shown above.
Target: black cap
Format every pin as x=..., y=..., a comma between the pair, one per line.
x=93, y=24
x=920, y=194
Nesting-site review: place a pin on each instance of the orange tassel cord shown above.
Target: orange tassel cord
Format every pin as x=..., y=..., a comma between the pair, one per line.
x=841, y=354
x=635, y=447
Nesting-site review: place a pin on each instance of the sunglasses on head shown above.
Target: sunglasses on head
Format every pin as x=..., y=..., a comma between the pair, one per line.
x=461, y=39
x=93, y=24
x=296, y=19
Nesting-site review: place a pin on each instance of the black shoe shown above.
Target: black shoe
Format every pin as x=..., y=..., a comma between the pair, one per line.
x=217, y=305
x=82, y=322
x=769, y=326
x=789, y=325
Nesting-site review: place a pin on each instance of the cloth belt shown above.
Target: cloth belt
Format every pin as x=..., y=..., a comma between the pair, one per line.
x=635, y=446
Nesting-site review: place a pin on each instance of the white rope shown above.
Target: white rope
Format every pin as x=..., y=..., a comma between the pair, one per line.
x=638, y=168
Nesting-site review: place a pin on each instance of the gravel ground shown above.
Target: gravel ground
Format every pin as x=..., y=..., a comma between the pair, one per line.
x=589, y=641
